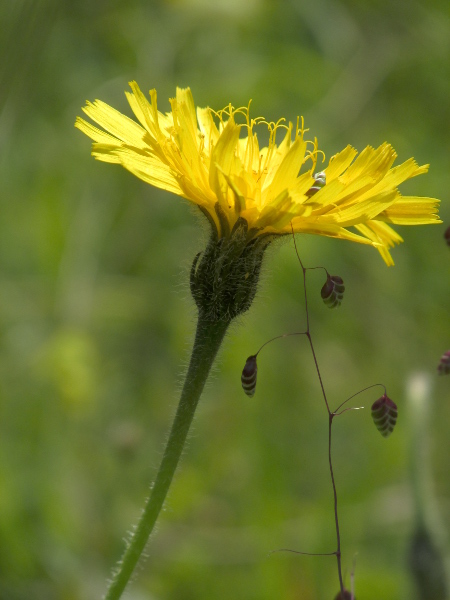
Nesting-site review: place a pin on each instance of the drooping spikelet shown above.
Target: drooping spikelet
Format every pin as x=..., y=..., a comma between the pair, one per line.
x=384, y=415
x=332, y=291
x=248, y=378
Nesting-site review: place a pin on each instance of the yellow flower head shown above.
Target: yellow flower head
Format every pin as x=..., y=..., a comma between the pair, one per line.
x=214, y=160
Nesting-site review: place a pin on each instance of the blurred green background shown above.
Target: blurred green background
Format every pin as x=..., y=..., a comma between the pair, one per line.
x=96, y=320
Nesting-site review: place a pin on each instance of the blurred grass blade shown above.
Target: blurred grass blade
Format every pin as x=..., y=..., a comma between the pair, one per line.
x=426, y=547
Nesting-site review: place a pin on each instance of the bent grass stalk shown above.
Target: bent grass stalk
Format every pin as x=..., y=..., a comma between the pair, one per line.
x=331, y=415
x=384, y=415
x=208, y=338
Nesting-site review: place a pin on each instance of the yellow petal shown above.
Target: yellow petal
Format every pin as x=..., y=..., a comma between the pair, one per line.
x=339, y=162
x=116, y=123
x=186, y=105
x=371, y=162
x=223, y=156
x=272, y=156
x=146, y=113
x=149, y=169
x=397, y=175
x=95, y=134
x=334, y=231
x=273, y=212
x=207, y=127
x=239, y=197
x=360, y=211
x=384, y=235
x=288, y=170
x=412, y=210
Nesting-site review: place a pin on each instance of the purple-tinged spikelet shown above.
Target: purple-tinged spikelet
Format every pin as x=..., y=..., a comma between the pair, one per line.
x=444, y=364
x=447, y=236
x=332, y=291
x=384, y=415
x=248, y=378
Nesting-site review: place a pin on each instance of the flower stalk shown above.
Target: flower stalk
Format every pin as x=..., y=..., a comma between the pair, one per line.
x=208, y=339
x=224, y=280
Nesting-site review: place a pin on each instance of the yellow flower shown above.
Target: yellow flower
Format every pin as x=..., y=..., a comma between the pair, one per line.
x=214, y=161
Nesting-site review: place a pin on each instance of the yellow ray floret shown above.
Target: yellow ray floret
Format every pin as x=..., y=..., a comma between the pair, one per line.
x=213, y=159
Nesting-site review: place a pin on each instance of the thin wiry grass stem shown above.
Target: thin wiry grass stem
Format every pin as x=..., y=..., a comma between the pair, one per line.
x=331, y=416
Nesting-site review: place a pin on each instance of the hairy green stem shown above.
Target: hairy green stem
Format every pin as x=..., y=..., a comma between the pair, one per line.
x=208, y=339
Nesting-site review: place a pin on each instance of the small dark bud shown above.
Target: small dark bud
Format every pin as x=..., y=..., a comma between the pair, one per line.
x=447, y=236
x=320, y=181
x=248, y=378
x=384, y=415
x=444, y=364
x=333, y=291
x=347, y=596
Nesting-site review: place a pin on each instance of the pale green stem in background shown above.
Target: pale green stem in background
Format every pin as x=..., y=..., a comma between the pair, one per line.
x=427, y=556
x=208, y=339
x=420, y=405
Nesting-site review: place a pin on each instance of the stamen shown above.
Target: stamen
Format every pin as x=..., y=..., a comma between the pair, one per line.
x=301, y=130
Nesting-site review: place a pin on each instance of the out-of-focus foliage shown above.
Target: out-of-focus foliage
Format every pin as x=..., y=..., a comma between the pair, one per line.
x=96, y=319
